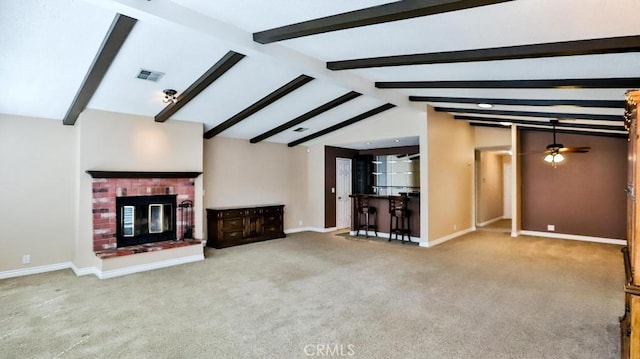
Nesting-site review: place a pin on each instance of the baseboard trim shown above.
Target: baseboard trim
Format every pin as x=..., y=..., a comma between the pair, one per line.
x=85, y=271
x=149, y=266
x=34, y=270
x=449, y=237
x=98, y=273
x=383, y=235
x=310, y=229
x=574, y=237
x=490, y=221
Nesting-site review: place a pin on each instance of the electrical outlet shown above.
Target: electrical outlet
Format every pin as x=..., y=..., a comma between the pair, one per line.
x=551, y=227
x=333, y=190
x=455, y=226
x=26, y=259
x=299, y=223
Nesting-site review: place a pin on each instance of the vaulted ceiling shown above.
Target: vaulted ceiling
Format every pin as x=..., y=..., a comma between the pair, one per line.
x=259, y=70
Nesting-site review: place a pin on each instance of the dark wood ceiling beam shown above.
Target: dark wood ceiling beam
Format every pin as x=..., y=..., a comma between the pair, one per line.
x=567, y=48
x=114, y=39
x=520, y=102
x=343, y=124
x=533, y=114
x=260, y=104
x=542, y=129
x=540, y=123
x=223, y=65
x=313, y=113
x=622, y=83
x=395, y=11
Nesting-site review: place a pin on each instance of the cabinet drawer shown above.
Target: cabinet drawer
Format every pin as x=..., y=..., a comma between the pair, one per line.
x=272, y=219
x=272, y=211
x=233, y=213
x=232, y=235
x=232, y=223
x=272, y=229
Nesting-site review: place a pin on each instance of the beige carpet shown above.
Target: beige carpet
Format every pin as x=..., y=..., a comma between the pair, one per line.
x=484, y=295
x=503, y=225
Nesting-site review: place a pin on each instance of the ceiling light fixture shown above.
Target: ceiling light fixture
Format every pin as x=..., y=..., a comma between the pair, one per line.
x=169, y=96
x=485, y=105
x=506, y=123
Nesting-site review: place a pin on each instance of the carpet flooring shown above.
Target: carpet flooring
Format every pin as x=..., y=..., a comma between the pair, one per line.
x=483, y=295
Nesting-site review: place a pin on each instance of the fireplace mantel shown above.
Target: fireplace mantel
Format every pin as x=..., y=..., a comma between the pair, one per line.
x=134, y=174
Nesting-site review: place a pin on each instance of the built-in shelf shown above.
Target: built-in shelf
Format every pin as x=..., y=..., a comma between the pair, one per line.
x=133, y=174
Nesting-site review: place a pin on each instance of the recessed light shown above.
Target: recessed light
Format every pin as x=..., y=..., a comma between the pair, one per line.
x=397, y=141
x=506, y=123
x=368, y=143
x=485, y=105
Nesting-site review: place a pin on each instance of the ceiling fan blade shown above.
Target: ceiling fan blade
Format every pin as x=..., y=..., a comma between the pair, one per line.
x=575, y=149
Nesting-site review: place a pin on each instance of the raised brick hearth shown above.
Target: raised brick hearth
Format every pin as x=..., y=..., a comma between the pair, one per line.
x=105, y=191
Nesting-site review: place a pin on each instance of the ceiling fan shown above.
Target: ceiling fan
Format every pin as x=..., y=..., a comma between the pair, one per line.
x=555, y=150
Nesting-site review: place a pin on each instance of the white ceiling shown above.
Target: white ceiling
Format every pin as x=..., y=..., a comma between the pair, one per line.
x=50, y=44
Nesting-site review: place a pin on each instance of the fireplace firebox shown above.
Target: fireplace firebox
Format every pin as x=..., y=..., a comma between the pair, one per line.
x=145, y=219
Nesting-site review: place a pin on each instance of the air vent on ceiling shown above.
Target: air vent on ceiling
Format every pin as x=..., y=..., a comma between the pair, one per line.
x=150, y=75
x=301, y=129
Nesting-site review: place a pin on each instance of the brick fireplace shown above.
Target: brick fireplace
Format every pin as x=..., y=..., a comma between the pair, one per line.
x=108, y=188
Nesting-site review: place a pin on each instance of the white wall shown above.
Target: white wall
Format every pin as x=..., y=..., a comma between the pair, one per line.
x=37, y=187
x=238, y=173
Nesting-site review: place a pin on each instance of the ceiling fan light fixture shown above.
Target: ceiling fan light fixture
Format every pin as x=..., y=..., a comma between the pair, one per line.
x=554, y=158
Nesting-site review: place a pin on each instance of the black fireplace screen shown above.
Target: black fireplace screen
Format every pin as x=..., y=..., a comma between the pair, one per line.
x=145, y=219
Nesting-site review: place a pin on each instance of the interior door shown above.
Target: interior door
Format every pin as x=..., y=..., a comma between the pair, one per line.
x=343, y=190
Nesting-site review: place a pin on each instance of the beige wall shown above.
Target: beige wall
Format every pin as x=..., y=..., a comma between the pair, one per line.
x=238, y=173
x=450, y=172
x=490, y=194
x=394, y=123
x=37, y=186
x=120, y=142
x=492, y=137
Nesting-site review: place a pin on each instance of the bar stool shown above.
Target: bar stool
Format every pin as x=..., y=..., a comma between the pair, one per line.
x=363, y=208
x=398, y=210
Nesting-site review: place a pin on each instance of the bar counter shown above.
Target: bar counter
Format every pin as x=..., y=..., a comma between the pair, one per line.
x=381, y=203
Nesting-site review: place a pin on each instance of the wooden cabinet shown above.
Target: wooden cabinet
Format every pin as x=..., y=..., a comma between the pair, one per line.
x=233, y=226
x=630, y=321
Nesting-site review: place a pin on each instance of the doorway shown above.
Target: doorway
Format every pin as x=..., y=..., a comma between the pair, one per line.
x=493, y=189
x=343, y=190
